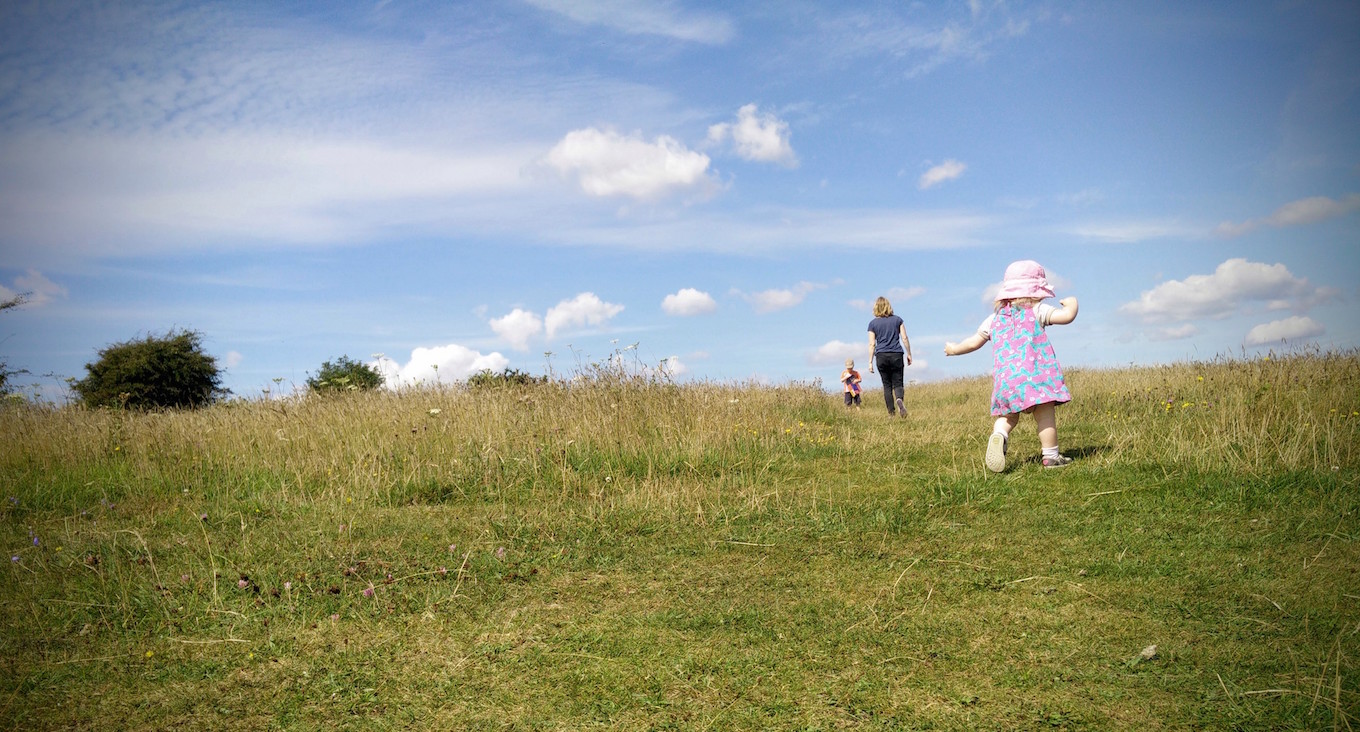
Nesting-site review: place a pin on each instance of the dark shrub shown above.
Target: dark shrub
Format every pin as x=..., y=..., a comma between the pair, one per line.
x=155, y=372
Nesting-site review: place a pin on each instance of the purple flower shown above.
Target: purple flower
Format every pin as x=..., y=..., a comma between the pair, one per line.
x=500, y=552
x=453, y=548
x=368, y=592
x=335, y=617
x=203, y=517
x=184, y=578
x=14, y=558
x=242, y=584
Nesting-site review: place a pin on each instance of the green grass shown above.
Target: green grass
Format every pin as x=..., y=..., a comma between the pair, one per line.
x=630, y=555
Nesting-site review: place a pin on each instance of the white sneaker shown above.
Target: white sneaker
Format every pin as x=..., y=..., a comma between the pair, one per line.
x=996, y=452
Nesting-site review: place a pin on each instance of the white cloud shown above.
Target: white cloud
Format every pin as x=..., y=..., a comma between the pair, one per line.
x=232, y=359
x=759, y=137
x=894, y=295
x=1174, y=333
x=441, y=364
x=671, y=366
x=688, y=301
x=1296, y=213
x=769, y=301
x=948, y=170
x=835, y=353
x=1289, y=329
x=584, y=309
x=1233, y=284
x=653, y=18
x=606, y=163
x=517, y=327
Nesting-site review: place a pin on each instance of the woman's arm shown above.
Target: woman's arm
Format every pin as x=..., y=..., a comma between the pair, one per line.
x=873, y=344
x=906, y=344
x=967, y=345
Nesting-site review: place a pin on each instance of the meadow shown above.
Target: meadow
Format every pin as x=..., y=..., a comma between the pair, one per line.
x=618, y=552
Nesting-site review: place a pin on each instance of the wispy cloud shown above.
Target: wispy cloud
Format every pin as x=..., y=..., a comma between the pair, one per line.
x=835, y=352
x=1296, y=213
x=919, y=42
x=650, y=17
x=948, y=170
x=34, y=287
x=773, y=300
x=756, y=136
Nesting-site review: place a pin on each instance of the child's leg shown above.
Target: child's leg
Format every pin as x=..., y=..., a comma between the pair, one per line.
x=1046, y=418
x=996, y=444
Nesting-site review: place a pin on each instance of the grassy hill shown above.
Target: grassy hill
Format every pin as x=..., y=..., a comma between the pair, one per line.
x=624, y=554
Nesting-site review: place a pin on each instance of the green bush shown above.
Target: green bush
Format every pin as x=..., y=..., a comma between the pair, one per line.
x=169, y=371
x=345, y=375
x=487, y=378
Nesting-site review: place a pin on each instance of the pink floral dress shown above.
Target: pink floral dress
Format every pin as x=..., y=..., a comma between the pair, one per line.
x=1026, y=371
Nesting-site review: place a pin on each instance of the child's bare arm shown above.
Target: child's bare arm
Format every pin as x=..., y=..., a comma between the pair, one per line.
x=1065, y=314
x=967, y=345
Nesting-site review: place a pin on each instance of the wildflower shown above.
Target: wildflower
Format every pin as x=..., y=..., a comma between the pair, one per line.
x=35, y=541
x=14, y=558
x=368, y=592
x=609, y=479
x=1201, y=378
x=453, y=548
x=149, y=654
x=242, y=584
x=434, y=411
x=203, y=517
x=184, y=578
x=443, y=570
x=335, y=617
x=500, y=552
x=288, y=586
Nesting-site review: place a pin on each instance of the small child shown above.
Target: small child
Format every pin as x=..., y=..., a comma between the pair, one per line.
x=1026, y=378
x=850, y=377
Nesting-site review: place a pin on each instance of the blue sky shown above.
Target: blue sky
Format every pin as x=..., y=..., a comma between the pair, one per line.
x=728, y=186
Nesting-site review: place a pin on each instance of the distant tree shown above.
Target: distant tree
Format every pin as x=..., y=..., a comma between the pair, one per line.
x=169, y=371
x=487, y=378
x=5, y=371
x=345, y=375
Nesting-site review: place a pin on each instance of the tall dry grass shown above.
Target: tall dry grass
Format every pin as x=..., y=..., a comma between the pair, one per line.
x=618, y=433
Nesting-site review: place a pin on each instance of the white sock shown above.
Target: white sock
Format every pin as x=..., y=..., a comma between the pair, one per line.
x=1050, y=452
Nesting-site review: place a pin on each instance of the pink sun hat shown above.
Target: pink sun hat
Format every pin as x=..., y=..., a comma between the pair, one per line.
x=1025, y=278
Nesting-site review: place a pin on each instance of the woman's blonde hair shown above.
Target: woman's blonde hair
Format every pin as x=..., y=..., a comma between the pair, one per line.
x=882, y=308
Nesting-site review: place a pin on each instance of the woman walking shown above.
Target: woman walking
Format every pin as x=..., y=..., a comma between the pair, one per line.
x=890, y=351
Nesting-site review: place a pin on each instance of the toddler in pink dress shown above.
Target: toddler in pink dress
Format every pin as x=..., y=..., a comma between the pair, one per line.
x=1026, y=377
